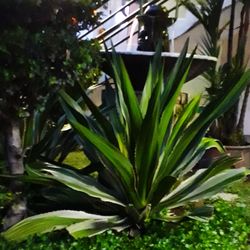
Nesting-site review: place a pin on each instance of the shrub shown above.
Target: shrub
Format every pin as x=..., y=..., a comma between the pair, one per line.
x=39, y=54
x=146, y=156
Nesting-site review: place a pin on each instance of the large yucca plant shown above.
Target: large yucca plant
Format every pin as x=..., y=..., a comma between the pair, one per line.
x=146, y=153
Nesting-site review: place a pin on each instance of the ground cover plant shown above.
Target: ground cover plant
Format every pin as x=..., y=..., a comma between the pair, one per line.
x=146, y=155
x=227, y=230
x=242, y=189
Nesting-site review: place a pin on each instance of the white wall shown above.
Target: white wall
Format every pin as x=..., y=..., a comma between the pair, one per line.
x=247, y=120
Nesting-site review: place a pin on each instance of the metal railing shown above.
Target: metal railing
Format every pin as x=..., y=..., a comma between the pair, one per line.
x=102, y=22
x=114, y=30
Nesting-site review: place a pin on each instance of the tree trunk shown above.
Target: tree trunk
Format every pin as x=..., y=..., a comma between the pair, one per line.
x=13, y=147
x=14, y=159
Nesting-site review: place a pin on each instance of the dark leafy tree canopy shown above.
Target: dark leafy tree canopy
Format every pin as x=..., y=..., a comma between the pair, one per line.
x=40, y=51
x=34, y=14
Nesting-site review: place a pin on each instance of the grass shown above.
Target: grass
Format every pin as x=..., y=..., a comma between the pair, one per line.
x=241, y=188
x=77, y=159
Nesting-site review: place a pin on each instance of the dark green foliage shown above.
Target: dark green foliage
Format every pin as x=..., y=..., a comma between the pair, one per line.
x=5, y=197
x=226, y=231
x=40, y=51
x=35, y=13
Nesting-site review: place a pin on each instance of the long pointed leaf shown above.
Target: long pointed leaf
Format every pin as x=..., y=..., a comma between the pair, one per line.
x=192, y=159
x=79, y=183
x=43, y=223
x=147, y=149
x=120, y=164
x=100, y=118
x=193, y=135
x=93, y=227
x=163, y=169
x=152, y=78
x=128, y=92
x=212, y=186
x=202, y=176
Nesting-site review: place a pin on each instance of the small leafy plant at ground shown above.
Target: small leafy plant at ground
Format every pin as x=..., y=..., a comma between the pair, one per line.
x=146, y=156
x=227, y=230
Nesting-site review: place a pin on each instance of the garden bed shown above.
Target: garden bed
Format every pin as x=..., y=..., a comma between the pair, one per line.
x=228, y=230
